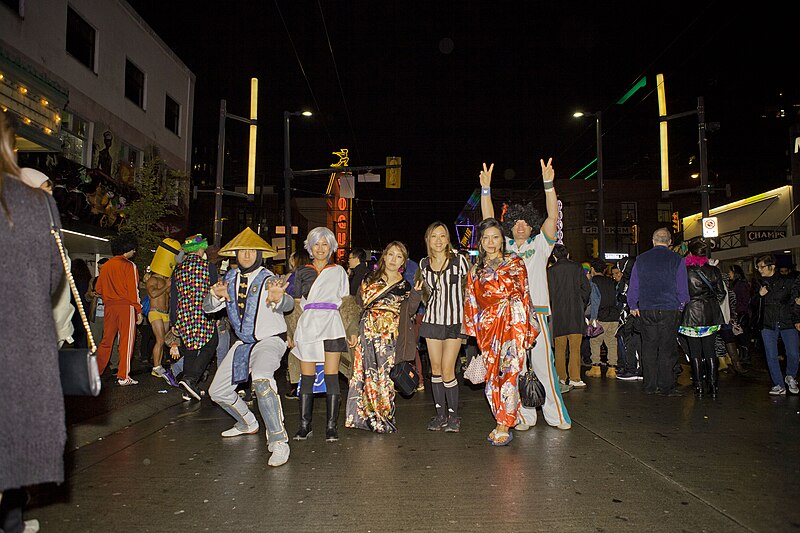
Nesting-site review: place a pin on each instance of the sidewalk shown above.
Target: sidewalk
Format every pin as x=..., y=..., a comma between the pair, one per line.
x=91, y=419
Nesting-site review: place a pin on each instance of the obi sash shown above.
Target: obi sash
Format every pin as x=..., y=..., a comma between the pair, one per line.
x=244, y=326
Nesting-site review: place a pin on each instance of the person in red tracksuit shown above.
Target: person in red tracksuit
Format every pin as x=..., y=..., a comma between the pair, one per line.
x=118, y=285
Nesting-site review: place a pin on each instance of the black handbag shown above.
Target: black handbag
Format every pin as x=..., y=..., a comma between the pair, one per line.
x=531, y=390
x=78, y=366
x=405, y=378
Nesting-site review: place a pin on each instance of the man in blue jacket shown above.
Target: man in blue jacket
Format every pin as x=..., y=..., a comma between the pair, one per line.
x=657, y=293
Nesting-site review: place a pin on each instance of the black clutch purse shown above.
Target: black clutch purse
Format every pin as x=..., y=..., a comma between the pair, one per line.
x=531, y=390
x=78, y=366
x=405, y=378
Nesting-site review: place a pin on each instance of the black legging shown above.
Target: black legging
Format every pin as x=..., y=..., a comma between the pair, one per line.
x=702, y=347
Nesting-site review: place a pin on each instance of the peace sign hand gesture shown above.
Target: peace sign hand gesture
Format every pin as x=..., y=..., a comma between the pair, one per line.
x=486, y=175
x=548, y=174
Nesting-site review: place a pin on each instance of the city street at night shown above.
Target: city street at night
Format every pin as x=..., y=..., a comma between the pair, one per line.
x=631, y=462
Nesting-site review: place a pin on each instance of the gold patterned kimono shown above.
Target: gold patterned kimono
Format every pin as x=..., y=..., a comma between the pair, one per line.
x=370, y=400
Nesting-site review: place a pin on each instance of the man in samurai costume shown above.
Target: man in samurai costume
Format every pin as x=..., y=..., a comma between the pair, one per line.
x=255, y=299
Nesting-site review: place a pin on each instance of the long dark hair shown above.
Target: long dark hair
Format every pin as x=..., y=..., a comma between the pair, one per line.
x=8, y=159
x=375, y=276
x=482, y=227
x=738, y=273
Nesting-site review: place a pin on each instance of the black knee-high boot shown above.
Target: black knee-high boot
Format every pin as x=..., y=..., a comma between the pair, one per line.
x=306, y=407
x=698, y=375
x=333, y=399
x=712, y=375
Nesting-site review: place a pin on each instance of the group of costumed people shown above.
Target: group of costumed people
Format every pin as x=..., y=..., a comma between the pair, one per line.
x=502, y=301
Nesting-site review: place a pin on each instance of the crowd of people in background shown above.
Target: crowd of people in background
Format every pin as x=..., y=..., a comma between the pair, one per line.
x=220, y=322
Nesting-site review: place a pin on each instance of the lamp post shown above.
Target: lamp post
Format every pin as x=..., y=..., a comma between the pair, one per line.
x=219, y=190
x=601, y=223
x=287, y=181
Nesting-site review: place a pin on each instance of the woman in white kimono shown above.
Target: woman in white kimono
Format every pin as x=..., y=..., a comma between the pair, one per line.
x=320, y=333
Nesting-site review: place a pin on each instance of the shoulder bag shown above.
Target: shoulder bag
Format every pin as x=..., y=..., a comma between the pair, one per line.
x=724, y=305
x=78, y=366
x=405, y=378
x=531, y=390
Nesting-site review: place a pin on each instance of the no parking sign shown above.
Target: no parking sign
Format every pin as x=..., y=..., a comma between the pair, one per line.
x=710, y=227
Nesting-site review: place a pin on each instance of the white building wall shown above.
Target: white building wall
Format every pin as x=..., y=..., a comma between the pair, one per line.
x=99, y=96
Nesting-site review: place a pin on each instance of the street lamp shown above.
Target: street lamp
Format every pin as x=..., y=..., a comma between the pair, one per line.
x=219, y=190
x=287, y=181
x=601, y=240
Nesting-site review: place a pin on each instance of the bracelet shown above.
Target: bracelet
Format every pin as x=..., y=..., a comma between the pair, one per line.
x=548, y=185
x=486, y=191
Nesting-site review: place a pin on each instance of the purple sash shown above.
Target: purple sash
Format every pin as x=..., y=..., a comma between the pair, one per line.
x=321, y=305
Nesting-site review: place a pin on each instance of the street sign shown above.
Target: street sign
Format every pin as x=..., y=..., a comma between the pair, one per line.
x=710, y=227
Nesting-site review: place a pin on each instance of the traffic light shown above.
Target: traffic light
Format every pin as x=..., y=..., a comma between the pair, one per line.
x=595, y=250
x=635, y=233
x=676, y=222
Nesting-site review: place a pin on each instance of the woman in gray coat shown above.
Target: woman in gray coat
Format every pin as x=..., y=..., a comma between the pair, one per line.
x=32, y=429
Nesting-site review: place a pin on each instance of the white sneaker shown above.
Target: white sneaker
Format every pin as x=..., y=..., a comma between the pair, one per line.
x=777, y=390
x=564, y=425
x=791, y=384
x=31, y=526
x=237, y=430
x=127, y=381
x=280, y=454
x=577, y=384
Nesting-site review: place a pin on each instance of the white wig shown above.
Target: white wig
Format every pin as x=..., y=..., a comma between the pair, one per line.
x=318, y=233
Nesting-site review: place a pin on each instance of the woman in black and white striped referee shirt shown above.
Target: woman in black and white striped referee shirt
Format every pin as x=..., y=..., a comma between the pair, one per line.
x=444, y=272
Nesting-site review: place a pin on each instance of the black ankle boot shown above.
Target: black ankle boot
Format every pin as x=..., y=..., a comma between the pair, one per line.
x=698, y=376
x=306, y=409
x=332, y=402
x=712, y=375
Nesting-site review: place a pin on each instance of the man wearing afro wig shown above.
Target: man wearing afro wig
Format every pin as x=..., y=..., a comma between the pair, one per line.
x=532, y=239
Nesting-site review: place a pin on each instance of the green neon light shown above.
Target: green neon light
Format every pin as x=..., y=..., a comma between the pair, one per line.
x=592, y=162
x=638, y=85
x=590, y=175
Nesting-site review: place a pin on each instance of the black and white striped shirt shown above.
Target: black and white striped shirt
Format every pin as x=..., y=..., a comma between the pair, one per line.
x=446, y=304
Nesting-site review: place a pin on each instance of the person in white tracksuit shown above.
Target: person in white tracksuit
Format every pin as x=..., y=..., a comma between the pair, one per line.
x=532, y=240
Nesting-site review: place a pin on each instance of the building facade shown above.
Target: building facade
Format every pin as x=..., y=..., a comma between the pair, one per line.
x=95, y=93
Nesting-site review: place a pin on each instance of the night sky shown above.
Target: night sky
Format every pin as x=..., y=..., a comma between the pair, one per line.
x=448, y=85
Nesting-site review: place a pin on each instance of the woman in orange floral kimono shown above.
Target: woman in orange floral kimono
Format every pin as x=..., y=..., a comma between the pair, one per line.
x=497, y=313
x=370, y=400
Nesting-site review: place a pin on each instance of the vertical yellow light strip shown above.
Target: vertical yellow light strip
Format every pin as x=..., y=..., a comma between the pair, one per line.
x=662, y=112
x=251, y=163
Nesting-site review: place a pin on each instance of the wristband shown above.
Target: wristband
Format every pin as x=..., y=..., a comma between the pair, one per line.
x=486, y=191
x=548, y=185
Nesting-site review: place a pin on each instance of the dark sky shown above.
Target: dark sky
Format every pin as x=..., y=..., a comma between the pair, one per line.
x=447, y=85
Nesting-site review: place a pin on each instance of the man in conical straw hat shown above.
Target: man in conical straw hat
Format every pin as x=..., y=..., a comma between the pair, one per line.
x=255, y=299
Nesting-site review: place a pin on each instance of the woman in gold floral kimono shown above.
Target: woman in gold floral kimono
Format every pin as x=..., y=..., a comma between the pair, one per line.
x=370, y=401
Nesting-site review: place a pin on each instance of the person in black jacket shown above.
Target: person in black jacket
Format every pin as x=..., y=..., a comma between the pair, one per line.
x=702, y=318
x=780, y=318
x=569, y=294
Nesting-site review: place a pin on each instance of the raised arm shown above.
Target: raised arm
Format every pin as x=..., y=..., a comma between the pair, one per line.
x=487, y=209
x=551, y=201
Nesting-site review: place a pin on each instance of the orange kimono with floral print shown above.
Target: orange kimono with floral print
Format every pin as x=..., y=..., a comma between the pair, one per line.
x=497, y=313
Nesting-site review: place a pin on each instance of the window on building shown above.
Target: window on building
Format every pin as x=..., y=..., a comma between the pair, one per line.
x=14, y=5
x=664, y=212
x=73, y=137
x=627, y=212
x=80, y=39
x=590, y=213
x=172, y=115
x=134, y=84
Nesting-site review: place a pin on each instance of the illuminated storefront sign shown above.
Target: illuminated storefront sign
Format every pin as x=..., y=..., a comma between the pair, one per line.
x=339, y=207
